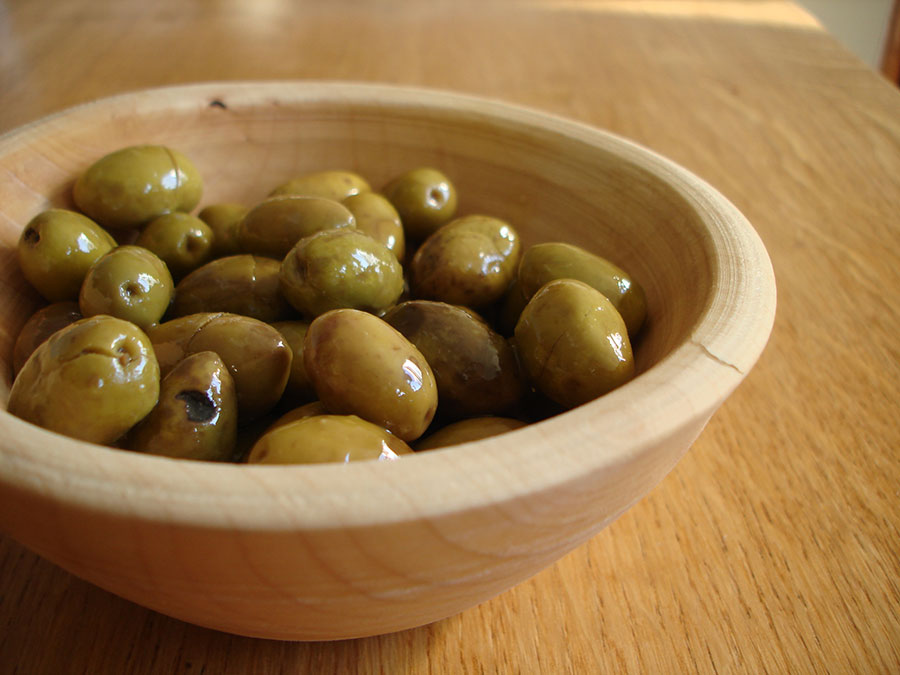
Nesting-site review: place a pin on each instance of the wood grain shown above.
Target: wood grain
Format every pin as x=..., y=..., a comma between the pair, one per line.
x=773, y=546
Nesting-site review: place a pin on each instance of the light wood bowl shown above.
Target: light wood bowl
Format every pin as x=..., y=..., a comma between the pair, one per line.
x=336, y=551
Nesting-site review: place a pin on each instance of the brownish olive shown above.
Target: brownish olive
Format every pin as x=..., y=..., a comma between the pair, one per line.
x=326, y=438
x=255, y=353
x=196, y=417
x=464, y=431
x=240, y=284
x=471, y=261
x=41, y=325
x=474, y=367
x=298, y=413
x=92, y=380
x=335, y=185
x=360, y=365
x=224, y=219
x=182, y=241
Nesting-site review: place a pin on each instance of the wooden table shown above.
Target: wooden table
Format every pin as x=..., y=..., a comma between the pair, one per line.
x=774, y=544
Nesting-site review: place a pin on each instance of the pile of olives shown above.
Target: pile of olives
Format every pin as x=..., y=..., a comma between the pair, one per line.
x=328, y=322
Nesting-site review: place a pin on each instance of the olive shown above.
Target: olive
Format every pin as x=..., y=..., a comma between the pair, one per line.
x=182, y=241
x=131, y=186
x=545, y=262
x=360, y=365
x=272, y=227
x=241, y=284
x=377, y=217
x=196, y=417
x=299, y=388
x=333, y=185
x=130, y=283
x=41, y=325
x=57, y=248
x=255, y=353
x=464, y=431
x=92, y=380
x=475, y=368
x=306, y=410
x=340, y=269
x=425, y=199
x=573, y=343
x=471, y=261
x=224, y=219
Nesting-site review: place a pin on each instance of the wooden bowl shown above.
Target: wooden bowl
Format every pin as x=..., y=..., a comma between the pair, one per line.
x=337, y=551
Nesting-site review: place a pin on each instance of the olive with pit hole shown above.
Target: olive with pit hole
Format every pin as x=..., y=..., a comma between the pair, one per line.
x=360, y=365
x=240, y=284
x=130, y=283
x=224, y=219
x=92, y=380
x=465, y=431
x=377, y=217
x=326, y=438
x=196, y=417
x=336, y=185
x=182, y=241
x=273, y=227
x=471, y=261
x=131, y=186
x=573, y=343
x=475, y=368
x=57, y=248
x=340, y=269
x=425, y=198
x=542, y=263
x=41, y=325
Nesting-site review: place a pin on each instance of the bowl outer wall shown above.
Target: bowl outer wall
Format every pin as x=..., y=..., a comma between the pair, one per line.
x=560, y=480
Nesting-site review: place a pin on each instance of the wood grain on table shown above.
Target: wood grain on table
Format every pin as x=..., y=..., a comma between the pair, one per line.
x=774, y=545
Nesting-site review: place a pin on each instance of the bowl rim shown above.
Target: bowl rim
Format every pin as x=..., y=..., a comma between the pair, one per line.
x=689, y=382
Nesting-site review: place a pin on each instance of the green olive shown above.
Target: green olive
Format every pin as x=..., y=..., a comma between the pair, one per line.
x=299, y=388
x=464, y=431
x=474, y=367
x=92, y=380
x=131, y=186
x=224, y=219
x=130, y=283
x=306, y=410
x=573, y=343
x=41, y=325
x=196, y=417
x=333, y=185
x=425, y=199
x=241, y=284
x=326, y=438
x=471, y=261
x=545, y=262
x=360, y=365
x=182, y=241
x=255, y=353
x=377, y=217
x=273, y=227
x=340, y=268
x=57, y=248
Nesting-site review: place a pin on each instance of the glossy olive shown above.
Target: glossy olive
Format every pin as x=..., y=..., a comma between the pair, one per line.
x=196, y=417
x=255, y=353
x=273, y=227
x=326, y=438
x=306, y=410
x=57, y=248
x=464, y=431
x=573, y=343
x=131, y=186
x=240, y=284
x=425, y=198
x=182, y=241
x=298, y=388
x=471, y=261
x=92, y=380
x=378, y=218
x=224, y=219
x=362, y=366
x=340, y=268
x=335, y=185
x=545, y=262
x=41, y=325
x=474, y=367
x=130, y=283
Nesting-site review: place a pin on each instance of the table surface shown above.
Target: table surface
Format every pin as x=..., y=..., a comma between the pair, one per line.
x=773, y=546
